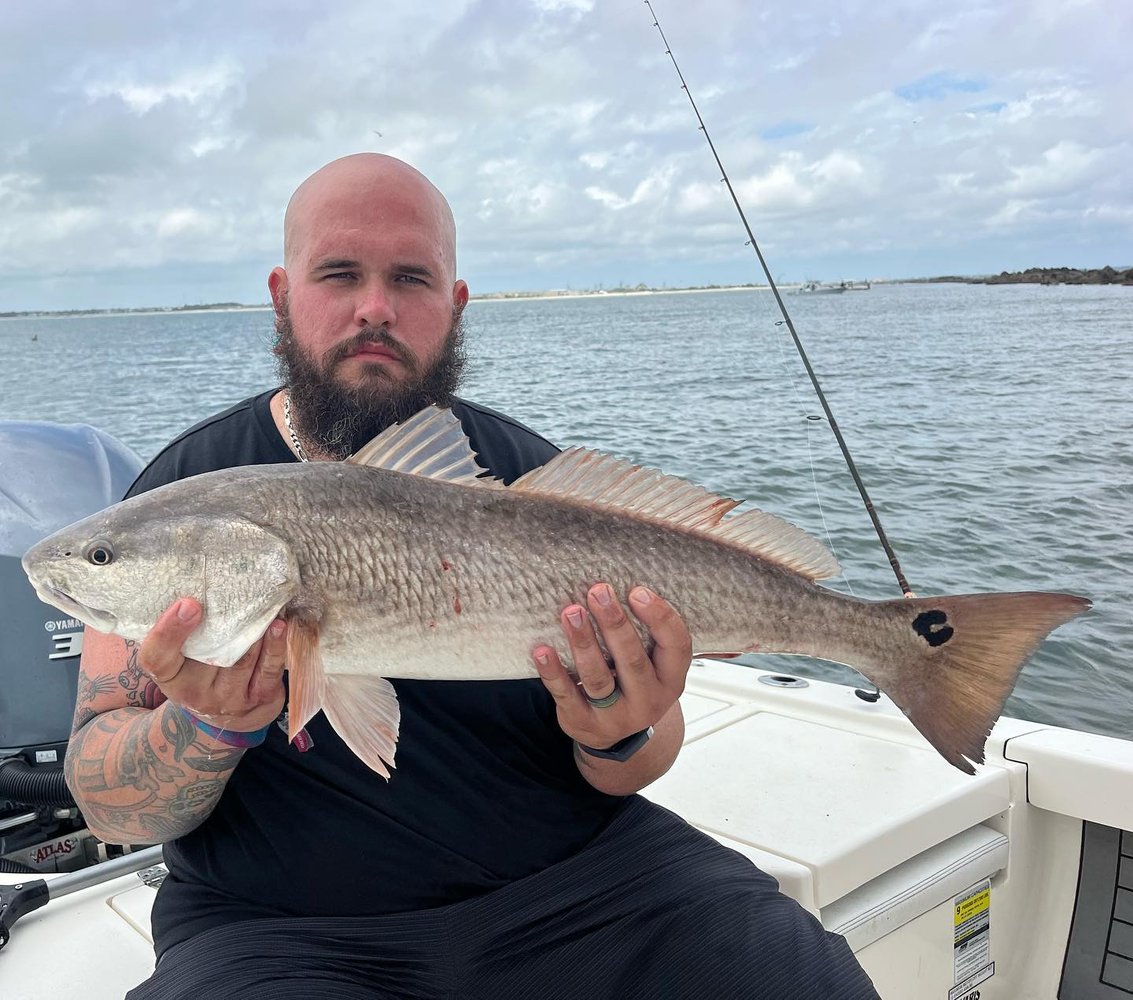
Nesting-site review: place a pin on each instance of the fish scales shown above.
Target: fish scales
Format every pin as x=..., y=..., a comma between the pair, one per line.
x=408, y=549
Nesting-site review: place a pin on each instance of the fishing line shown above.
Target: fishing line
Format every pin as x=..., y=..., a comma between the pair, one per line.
x=818, y=497
x=751, y=241
x=810, y=419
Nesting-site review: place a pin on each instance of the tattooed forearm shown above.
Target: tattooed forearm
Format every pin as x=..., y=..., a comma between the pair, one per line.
x=90, y=688
x=146, y=776
x=141, y=691
x=216, y=763
x=181, y=734
x=178, y=731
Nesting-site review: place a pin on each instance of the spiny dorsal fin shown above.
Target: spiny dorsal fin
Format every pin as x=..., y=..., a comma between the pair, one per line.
x=430, y=443
x=593, y=477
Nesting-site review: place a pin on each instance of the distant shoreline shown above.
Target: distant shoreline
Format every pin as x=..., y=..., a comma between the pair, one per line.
x=1039, y=276
x=1035, y=275
x=139, y=311
x=617, y=292
x=483, y=297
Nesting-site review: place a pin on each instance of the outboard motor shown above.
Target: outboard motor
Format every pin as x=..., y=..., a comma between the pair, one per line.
x=50, y=476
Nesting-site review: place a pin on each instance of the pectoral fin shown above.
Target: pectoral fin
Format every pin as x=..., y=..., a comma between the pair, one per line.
x=306, y=678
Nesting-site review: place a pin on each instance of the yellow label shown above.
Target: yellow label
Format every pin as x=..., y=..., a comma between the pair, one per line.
x=972, y=906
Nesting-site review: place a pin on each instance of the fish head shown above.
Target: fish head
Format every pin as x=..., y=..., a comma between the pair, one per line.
x=119, y=570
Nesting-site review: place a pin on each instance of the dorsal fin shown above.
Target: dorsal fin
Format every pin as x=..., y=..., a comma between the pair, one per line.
x=594, y=477
x=430, y=443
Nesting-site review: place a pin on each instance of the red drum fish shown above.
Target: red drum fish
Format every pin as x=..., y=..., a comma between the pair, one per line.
x=406, y=561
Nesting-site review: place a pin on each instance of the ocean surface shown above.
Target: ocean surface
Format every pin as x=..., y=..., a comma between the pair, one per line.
x=993, y=426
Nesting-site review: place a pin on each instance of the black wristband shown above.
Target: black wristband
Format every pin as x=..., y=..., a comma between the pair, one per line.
x=623, y=749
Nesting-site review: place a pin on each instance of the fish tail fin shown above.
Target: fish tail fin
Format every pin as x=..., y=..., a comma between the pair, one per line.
x=961, y=655
x=365, y=713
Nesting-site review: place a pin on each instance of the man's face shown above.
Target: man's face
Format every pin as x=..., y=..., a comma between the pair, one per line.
x=368, y=308
x=341, y=415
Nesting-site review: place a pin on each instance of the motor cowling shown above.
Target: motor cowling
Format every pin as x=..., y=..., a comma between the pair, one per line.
x=50, y=475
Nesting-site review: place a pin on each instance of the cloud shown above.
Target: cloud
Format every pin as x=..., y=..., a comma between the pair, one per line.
x=197, y=85
x=581, y=6
x=1061, y=168
x=650, y=189
x=161, y=143
x=790, y=185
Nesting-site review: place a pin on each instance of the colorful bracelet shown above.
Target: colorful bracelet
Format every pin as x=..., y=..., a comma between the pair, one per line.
x=230, y=737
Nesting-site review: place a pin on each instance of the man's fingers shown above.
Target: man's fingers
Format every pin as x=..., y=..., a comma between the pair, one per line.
x=589, y=659
x=160, y=653
x=264, y=681
x=672, y=644
x=634, y=668
x=273, y=652
x=556, y=679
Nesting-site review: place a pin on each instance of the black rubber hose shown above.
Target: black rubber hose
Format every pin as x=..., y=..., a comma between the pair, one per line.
x=33, y=786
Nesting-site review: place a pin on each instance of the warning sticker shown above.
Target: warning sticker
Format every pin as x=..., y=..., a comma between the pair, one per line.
x=971, y=944
x=967, y=989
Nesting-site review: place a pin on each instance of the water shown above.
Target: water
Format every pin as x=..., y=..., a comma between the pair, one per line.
x=993, y=426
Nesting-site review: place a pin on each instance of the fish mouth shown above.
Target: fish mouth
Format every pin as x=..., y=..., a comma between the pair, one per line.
x=96, y=618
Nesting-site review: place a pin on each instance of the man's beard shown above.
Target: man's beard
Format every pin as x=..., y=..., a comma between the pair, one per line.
x=339, y=419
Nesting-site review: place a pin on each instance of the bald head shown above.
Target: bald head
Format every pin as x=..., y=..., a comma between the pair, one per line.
x=366, y=187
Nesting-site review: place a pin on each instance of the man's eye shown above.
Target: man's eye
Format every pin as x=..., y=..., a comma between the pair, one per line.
x=340, y=276
x=411, y=279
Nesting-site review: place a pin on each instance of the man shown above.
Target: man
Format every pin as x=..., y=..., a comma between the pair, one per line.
x=508, y=856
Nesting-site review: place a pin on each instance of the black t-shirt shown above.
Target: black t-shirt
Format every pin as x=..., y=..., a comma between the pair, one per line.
x=486, y=790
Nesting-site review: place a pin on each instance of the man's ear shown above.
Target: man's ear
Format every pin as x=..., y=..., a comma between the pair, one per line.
x=277, y=285
x=459, y=296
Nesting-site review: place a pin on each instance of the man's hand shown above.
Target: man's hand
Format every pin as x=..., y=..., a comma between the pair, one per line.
x=649, y=686
x=242, y=698
x=140, y=771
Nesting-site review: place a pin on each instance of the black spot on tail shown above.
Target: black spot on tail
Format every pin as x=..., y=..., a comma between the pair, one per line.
x=924, y=625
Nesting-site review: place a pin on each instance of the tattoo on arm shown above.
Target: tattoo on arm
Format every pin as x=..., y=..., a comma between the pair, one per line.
x=217, y=763
x=179, y=731
x=144, y=783
x=141, y=691
x=182, y=734
x=90, y=688
x=183, y=811
x=82, y=717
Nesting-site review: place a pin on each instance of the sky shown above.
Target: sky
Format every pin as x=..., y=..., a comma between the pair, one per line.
x=149, y=149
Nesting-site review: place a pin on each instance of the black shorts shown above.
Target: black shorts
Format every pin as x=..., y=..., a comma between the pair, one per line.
x=651, y=909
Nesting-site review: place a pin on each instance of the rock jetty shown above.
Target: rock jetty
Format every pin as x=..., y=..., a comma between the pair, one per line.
x=1059, y=276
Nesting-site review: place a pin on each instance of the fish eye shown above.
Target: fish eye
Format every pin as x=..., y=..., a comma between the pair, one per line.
x=99, y=554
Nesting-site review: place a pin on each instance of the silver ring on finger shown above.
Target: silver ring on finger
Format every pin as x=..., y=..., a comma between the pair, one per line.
x=608, y=700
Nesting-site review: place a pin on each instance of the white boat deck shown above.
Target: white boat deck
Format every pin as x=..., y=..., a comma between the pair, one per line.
x=861, y=821
x=838, y=788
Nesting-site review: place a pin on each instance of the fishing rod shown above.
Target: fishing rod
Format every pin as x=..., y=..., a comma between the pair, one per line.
x=751, y=241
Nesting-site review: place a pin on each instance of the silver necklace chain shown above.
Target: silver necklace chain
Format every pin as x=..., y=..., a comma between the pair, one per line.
x=291, y=430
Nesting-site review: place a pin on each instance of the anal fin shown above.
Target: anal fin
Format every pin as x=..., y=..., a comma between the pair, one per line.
x=365, y=713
